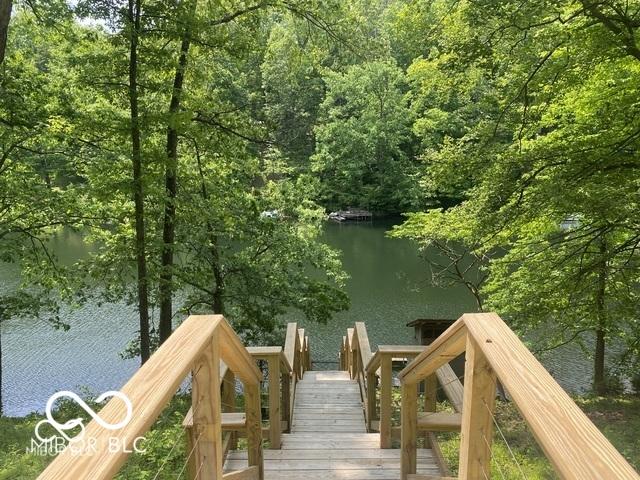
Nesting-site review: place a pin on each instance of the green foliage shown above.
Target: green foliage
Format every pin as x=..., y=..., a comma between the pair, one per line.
x=529, y=132
x=363, y=140
x=164, y=444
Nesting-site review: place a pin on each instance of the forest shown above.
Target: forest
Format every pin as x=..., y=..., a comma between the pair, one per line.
x=197, y=146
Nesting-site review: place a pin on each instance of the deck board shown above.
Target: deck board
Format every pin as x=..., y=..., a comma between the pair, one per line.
x=328, y=438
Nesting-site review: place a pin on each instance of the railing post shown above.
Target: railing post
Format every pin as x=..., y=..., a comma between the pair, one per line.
x=273, y=364
x=307, y=353
x=477, y=414
x=343, y=354
x=207, y=417
x=430, y=400
x=430, y=392
x=409, y=431
x=286, y=398
x=229, y=401
x=254, y=427
x=350, y=351
x=385, y=400
x=372, y=414
x=301, y=361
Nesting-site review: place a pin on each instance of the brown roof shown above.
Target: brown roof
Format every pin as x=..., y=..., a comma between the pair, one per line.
x=422, y=321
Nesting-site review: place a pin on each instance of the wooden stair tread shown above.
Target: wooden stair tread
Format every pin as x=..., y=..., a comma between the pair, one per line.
x=328, y=438
x=439, y=421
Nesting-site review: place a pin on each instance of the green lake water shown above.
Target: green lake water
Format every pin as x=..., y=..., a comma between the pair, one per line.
x=389, y=285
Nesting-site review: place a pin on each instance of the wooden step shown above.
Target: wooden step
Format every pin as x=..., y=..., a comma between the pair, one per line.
x=416, y=476
x=439, y=421
x=230, y=421
x=365, y=455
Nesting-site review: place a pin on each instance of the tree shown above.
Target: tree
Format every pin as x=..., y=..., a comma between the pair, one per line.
x=205, y=173
x=35, y=198
x=5, y=16
x=363, y=140
x=133, y=21
x=293, y=89
x=460, y=259
x=560, y=144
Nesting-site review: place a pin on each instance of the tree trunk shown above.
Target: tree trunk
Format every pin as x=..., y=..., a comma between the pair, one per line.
x=171, y=171
x=218, y=275
x=5, y=17
x=138, y=193
x=218, y=292
x=599, y=382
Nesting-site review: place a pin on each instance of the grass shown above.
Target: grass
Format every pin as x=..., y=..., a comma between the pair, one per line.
x=617, y=417
x=164, y=445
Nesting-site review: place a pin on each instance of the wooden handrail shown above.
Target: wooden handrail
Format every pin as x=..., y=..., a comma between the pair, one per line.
x=297, y=355
x=382, y=361
x=373, y=371
x=279, y=371
x=292, y=346
x=575, y=447
x=199, y=345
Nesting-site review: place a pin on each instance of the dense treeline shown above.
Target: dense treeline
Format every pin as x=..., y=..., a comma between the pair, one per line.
x=197, y=147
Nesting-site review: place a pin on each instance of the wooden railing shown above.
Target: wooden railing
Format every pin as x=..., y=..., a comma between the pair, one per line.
x=574, y=446
x=208, y=348
x=374, y=373
x=297, y=353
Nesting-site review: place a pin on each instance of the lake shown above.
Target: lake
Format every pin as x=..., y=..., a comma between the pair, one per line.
x=389, y=285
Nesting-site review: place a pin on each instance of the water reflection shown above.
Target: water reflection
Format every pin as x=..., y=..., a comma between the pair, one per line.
x=389, y=286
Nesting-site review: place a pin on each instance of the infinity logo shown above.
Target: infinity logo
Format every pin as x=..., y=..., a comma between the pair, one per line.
x=77, y=422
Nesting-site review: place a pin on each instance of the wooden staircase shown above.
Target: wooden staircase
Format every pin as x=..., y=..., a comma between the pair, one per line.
x=320, y=428
x=328, y=438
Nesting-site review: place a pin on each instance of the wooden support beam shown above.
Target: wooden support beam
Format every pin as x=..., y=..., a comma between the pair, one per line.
x=430, y=393
x=409, y=416
x=386, y=380
x=254, y=427
x=477, y=415
x=439, y=421
x=287, y=413
x=274, y=402
x=572, y=443
x=229, y=392
x=290, y=344
x=364, y=345
x=370, y=405
x=451, y=386
x=249, y=473
x=350, y=351
x=207, y=420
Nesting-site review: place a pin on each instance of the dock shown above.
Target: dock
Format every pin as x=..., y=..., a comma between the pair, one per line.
x=351, y=215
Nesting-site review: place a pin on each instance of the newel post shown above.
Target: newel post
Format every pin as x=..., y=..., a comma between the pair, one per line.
x=477, y=414
x=286, y=398
x=254, y=426
x=275, y=413
x=372, y=413
x=207, y=417
x=386, y=379
x=409, y=432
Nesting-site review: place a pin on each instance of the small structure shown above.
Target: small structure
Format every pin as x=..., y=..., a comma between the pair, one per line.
x=350, y=215
x=428, y=329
